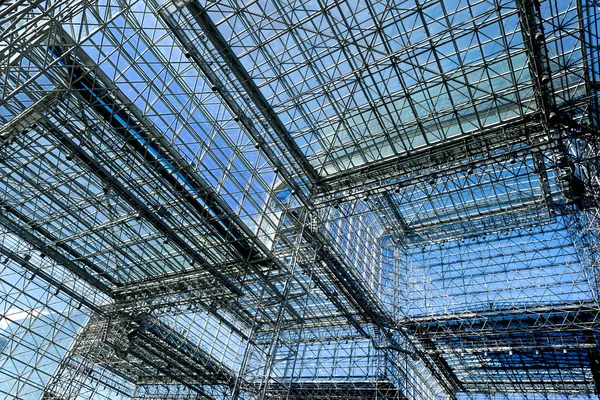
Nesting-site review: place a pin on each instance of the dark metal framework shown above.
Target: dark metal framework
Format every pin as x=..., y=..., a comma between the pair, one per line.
x=299, y=199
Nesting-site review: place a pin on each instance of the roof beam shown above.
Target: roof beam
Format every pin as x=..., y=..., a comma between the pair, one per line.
x=487, y=146
x=506, y=322
x=129, y=122
x=593, y=357
x=532, y=29
x=244, y=79
x=46, y=248
x=60, y=259
x=199, y=195
x=106, y=107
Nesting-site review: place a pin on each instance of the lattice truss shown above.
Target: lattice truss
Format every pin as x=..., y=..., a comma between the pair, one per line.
x=299, y=199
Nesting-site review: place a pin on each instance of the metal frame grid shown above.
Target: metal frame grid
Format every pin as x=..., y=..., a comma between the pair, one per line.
x=306, y=199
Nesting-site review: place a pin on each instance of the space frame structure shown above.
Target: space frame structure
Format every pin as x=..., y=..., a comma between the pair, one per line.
x=299, y=199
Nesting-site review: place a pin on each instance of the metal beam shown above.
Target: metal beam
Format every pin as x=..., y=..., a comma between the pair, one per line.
x=507, y=313
x=532, y=28
x=201, y=197
x=487, y=146
x=138, y=204
x=243, y=78
x=58, y=258
x=51, y=252
x=593, y=358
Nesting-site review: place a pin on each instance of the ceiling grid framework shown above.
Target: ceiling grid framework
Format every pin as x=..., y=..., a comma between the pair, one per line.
x=302, y=199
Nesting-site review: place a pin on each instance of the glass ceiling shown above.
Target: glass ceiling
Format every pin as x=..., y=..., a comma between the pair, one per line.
x=142, y=172
x=360, y=82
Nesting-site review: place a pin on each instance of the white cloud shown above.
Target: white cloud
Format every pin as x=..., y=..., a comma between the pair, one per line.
x=15, y=314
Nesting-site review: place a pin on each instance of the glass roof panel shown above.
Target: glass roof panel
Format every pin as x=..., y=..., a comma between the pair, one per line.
x=521, y=269
x=386, y=80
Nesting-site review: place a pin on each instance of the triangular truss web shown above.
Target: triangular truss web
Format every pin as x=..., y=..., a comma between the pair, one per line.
x=299, y=199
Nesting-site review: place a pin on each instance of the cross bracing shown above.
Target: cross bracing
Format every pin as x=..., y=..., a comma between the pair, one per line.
x=299, y=199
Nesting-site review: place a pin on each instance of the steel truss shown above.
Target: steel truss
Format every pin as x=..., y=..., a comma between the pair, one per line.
x=305, y=200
